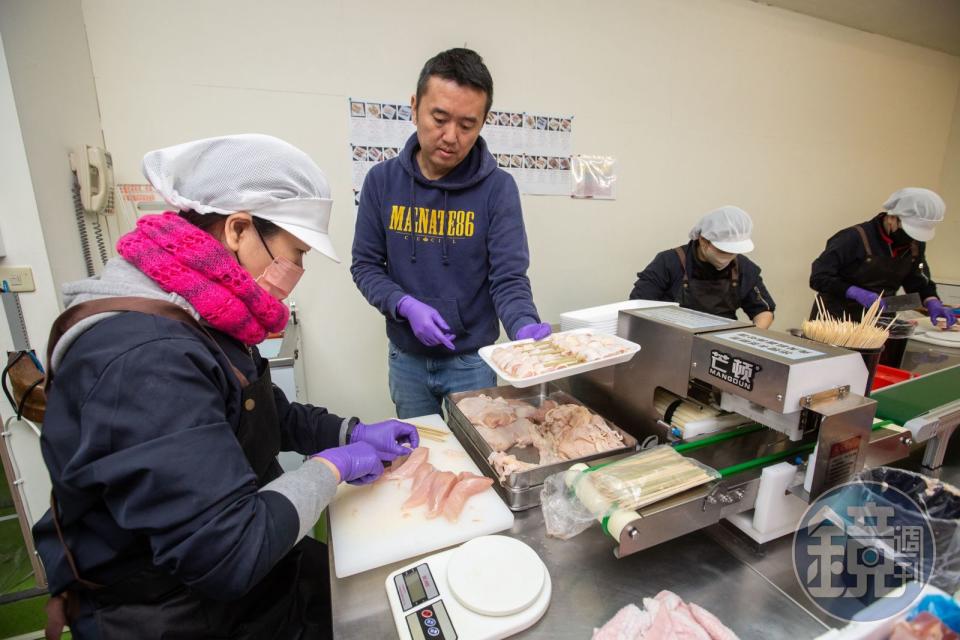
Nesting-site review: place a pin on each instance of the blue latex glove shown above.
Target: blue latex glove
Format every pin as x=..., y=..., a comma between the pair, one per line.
x=535, y=330
x=936, y=310
x=358, y=463
x=387, y=438
x=863, y=297
x=427, y=323
x=943, y=607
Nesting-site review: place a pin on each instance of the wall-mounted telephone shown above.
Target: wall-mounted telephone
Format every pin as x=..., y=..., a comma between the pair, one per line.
x=93, y=197
x=94, y=169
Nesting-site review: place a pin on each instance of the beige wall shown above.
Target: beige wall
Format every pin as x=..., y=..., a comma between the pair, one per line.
x=56, y=100
x=807, y=125
x=944, y=253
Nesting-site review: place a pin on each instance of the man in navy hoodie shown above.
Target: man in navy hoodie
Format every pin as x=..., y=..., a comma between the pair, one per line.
x=440, y=248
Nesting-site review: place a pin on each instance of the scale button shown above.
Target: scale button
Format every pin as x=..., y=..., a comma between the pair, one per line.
x=430, y=622
x=433, y=631
x=426, y=613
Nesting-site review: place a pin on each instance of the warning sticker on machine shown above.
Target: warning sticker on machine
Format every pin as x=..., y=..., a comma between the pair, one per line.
x=842, y=460
x=769, y=345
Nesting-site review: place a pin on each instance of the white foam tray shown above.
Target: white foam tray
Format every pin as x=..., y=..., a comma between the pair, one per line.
x=605, y=315
x=487, y=354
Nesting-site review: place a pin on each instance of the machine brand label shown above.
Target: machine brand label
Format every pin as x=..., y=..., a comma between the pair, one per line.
x=733, y=370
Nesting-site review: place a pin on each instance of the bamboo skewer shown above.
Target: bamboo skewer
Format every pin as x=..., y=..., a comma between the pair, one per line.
x=866, y=334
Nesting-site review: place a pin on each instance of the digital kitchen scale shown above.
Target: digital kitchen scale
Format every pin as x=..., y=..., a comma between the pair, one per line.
x=486, y=589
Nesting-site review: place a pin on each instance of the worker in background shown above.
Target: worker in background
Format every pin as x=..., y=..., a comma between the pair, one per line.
x=879, y=256
x=440, y=247
x=710, y=273
x=170, y=515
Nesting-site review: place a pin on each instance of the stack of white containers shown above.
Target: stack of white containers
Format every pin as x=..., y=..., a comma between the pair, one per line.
x=603, y=319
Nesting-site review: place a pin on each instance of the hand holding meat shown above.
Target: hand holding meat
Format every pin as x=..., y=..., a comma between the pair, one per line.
x=357, y=463
x=388, y=438
x=937, y=311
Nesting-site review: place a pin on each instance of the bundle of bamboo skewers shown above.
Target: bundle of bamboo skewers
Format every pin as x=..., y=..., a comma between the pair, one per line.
x=429, y=433
x=866, y=334
x=648, y=477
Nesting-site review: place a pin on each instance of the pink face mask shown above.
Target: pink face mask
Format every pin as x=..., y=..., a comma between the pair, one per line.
x=280, y=277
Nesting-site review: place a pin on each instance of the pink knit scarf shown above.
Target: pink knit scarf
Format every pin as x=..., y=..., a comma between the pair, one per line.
x=185, y=260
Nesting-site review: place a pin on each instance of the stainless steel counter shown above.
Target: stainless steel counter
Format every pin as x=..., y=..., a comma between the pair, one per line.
x=753, y=590
x=921, y=357
x=590, y=585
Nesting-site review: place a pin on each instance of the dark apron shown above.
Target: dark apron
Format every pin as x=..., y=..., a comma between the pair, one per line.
x=882, y=274
x=719, y=297
x=290, y=602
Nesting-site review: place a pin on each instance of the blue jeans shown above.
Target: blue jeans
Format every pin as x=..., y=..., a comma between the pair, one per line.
x=419, y=383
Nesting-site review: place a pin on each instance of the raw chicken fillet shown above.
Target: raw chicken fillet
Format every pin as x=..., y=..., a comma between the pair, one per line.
x=664, y=617
x=558, y=431
x=442, y=492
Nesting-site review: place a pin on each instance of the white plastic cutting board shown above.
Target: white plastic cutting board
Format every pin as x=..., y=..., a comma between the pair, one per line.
x=368, y=529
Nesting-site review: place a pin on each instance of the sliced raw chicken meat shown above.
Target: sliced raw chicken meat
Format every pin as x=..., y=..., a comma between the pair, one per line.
x=505, y=464
x=498, y=439
x=421, y=489
x=408, y=467
x=518, y=433
x=541, y=413
x=630, y=623
x=486, y=411
x=467, y=485
x=665, y=617
x=711, y=624
x=422, y=472
x=440, y=487
x=559, y=432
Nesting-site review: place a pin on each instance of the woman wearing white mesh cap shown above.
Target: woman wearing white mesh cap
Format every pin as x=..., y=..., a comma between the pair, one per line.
x=170, y=516
x=710, y=273
x=877, y=257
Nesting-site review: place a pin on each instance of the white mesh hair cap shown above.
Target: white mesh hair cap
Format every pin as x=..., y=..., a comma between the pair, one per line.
x=727, y=228
x=259, y=174
x=919, y=210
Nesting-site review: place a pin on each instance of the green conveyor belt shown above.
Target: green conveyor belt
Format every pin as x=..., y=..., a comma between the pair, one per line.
x=907, y=400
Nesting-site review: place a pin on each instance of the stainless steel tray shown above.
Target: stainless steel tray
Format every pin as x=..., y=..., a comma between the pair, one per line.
x=521, y=490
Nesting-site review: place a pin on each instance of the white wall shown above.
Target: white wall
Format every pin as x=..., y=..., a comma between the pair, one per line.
x=806, y=124
x=20, y=225
x=49, y=63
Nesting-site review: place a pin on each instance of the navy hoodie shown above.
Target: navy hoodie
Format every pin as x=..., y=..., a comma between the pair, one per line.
x=457, y=244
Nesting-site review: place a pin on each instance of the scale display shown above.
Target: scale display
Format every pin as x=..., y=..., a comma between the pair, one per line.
x=460, y=593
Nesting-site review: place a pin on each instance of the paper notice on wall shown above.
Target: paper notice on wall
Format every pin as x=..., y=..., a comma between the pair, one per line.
x=140, y=199
x=534, y=149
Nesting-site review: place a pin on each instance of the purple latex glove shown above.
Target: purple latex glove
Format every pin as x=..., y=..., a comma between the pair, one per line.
x=936, y=310
x=535, y=330
x=863, y=297
x=387, y=438
x=427, y=323
x=358, y=463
